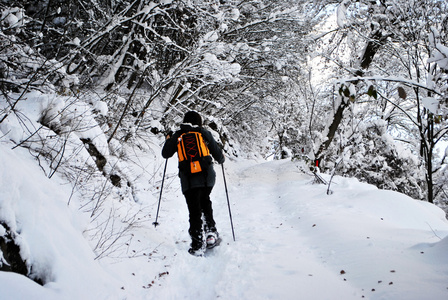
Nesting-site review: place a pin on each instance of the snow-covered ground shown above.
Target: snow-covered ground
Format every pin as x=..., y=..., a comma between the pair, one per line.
x=293, y=241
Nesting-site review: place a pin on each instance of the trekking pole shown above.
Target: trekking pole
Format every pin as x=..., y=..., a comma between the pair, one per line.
x=228, y=202
x=160, y=196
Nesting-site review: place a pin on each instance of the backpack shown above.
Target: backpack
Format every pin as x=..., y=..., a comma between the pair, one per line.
x=193, y=153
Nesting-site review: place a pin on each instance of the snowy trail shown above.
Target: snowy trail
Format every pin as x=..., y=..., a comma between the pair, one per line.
x=269, y=259
x=293, y=241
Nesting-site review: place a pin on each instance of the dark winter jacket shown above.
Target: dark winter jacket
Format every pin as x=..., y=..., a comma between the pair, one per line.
x=207, y=177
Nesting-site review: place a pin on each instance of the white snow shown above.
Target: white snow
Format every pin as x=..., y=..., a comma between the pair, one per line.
x=211, y=36
x=431, y=104
x=101, y=107
x=235, y=14
x=13, y=17
x=293, y=241
x=50, y=232
x=219, y=69
x=440, y=56
x=341, y=11
x=76, y=41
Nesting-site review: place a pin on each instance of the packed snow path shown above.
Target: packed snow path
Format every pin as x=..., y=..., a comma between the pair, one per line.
x=268, y=259
x=293, y=241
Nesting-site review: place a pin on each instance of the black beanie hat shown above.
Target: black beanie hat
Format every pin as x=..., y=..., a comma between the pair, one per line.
x=193, y=118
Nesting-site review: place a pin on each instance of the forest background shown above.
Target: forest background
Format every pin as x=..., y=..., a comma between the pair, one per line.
x=358, y=87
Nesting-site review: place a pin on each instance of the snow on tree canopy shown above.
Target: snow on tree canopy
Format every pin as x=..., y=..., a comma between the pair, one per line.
x=440, y=56
x=431, y=104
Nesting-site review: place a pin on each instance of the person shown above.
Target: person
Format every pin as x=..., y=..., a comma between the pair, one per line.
x=197, y=187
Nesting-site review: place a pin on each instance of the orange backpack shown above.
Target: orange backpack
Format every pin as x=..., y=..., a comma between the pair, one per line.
x=192, y=148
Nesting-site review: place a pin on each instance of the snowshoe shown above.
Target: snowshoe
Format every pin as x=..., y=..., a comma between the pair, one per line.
x=196, y=252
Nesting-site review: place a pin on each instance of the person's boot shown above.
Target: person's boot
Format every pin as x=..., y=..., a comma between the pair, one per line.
x=197, y=246
x=212, y=237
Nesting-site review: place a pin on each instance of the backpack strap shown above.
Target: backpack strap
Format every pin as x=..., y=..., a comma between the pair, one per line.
x=181, y=149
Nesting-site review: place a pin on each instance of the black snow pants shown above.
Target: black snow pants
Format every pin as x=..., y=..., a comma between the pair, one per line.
x=199, y=204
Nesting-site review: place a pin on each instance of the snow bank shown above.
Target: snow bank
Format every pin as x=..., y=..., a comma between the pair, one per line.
x=51, y=234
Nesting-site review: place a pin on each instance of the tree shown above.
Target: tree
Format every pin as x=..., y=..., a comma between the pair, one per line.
x=393, y=68
x=269, y=41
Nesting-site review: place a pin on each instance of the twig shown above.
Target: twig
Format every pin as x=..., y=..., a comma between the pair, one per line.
x=433, y=231
x=329, y=192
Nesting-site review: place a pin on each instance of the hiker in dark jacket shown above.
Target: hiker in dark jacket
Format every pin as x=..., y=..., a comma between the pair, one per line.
x=198, y=186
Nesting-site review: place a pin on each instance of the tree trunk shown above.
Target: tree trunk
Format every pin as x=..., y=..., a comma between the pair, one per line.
x=337, y=118
x=428, y=158
x=376, y=41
